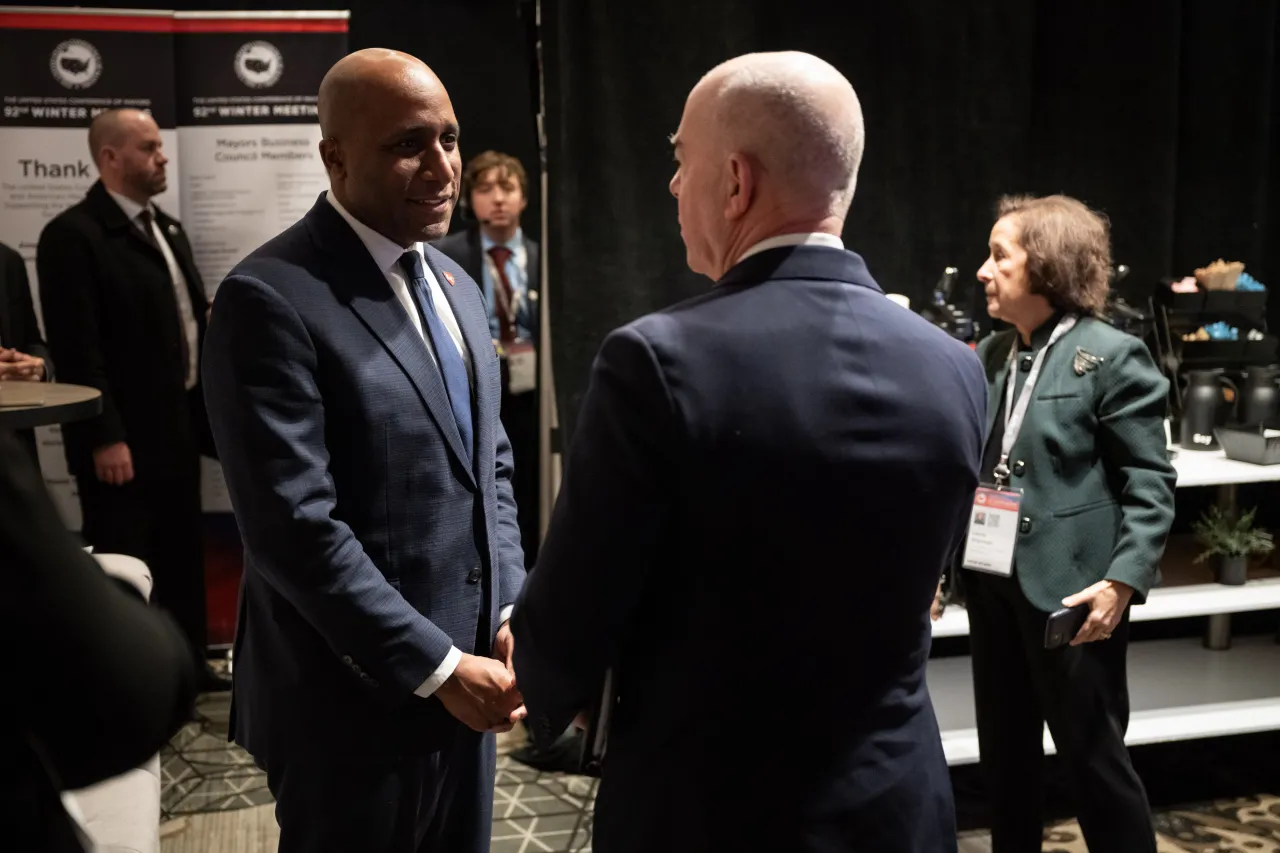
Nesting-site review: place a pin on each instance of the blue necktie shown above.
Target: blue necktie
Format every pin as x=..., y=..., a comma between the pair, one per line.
x=452, y=367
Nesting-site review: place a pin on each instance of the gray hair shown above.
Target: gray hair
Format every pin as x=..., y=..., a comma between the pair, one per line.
x=801, y=118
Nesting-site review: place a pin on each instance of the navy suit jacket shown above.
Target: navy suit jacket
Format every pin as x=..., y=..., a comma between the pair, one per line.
x=371, y=547
x=763, y=488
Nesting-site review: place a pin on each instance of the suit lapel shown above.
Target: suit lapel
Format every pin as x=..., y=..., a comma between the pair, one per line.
x=995, y=391
x=475, y=254
x=114, y=219
x=387, y=319
x=373, y=301
x=533, y=264
x=466, y=304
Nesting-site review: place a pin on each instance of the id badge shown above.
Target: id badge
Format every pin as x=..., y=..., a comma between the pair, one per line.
x=522, y=367
x=993, y=531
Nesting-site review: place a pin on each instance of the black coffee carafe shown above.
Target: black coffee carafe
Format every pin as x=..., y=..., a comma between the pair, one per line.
x=1201, y=401
x=1260, y=399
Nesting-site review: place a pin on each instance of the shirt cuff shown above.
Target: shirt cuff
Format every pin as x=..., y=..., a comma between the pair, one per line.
x=504, y=615
x=441, y=675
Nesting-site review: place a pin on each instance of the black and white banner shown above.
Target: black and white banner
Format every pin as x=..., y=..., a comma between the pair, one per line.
x=247, y=127
x=58, y=69
x=234, y=95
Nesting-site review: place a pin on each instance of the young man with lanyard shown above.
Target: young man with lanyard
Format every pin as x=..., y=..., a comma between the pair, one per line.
x=494, y=251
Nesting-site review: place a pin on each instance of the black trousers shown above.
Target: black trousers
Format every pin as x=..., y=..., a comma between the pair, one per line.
x=27, y=438
x=1082, y=693
x=436, y=803
x=159, y=521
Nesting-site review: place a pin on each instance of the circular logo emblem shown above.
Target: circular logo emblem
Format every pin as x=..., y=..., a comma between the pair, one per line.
x=259, y=64
x=981, y=498
x=76, y=64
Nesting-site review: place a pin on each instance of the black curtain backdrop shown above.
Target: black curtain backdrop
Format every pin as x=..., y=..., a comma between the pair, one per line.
x=1162, y=114
x=481, y=49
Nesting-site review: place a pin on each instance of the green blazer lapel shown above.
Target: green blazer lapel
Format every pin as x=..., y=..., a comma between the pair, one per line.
x=995, y=389
x=995, y=393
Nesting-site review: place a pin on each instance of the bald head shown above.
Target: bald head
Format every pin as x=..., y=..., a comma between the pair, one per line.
x=799, y=117
x=769, y=144
x=113, y=128
x=390, y=144
x=358, y=81
x=125, y=146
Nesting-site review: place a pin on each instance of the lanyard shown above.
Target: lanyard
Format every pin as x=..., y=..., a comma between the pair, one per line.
x=509, y=308
x=1015, y=413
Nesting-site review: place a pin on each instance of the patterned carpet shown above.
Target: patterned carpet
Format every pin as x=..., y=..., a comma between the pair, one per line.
x=533, y=812
x=538, y=812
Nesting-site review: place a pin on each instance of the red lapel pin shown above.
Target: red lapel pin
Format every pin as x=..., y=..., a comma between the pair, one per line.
x=448, y=276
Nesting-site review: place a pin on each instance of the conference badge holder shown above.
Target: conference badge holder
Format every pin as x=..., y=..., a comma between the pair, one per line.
x=993, y=530
x=993, y=521
x=522, y=367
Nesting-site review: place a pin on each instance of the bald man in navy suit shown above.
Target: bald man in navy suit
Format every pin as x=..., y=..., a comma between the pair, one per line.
x=763, y=487
x=353, y=391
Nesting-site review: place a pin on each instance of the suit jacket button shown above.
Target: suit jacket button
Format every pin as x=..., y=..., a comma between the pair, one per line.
x=347, y=659
x=1019, y=468
x=473, y=576
x=1025, y=525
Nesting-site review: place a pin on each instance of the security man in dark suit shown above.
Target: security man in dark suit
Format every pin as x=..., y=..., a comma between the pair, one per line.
x=125, y=312
x=764, y=485
x=24, y=356
x=500, y=257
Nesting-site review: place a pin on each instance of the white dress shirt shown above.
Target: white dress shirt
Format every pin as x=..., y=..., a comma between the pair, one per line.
x=186, y=314
x=831, y=241
x=386, y=254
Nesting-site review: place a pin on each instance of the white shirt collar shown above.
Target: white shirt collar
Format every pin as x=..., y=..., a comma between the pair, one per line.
x=386, y=253
x=831, y=241
x=516, y=242
x=130, y=207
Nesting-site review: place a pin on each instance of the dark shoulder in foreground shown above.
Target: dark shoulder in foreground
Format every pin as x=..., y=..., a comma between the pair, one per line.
x=870, y=302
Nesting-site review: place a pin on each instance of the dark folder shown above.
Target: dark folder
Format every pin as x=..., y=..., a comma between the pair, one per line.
x=599, y=720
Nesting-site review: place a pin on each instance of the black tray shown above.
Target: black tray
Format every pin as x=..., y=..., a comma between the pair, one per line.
x=1249, y=444
x=1228, y=352
x=1210, y=301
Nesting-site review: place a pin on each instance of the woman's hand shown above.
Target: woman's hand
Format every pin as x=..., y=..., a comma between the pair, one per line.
x=1107, y=601
x=935, y=610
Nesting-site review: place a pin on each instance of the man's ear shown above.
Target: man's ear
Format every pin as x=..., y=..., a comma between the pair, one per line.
x=742, y=186
x=331, y=156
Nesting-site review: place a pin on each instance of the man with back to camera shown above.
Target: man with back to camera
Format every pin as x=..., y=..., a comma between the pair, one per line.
x=353, y=392
x=125, y=312
x=762, y=490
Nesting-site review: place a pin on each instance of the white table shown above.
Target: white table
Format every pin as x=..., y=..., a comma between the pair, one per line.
x=1213, y=468
x=1180, y=689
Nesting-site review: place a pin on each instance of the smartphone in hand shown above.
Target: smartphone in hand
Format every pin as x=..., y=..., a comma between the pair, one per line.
x=1062, y=626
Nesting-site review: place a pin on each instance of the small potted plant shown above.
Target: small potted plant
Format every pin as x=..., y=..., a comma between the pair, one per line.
x=1232, y=540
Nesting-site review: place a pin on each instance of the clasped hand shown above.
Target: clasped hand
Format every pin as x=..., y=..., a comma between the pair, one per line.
x=482, y=692
x=20, y=367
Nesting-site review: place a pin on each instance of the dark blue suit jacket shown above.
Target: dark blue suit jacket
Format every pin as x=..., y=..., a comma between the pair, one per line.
x=370, y=546
x=763, y=488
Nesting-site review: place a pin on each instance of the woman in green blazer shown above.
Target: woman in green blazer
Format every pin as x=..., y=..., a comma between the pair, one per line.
x=1090, y=462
